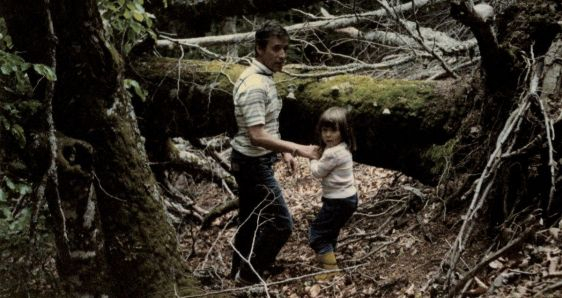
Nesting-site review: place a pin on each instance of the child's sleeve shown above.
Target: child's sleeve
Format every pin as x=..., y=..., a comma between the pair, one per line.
x=321, y=168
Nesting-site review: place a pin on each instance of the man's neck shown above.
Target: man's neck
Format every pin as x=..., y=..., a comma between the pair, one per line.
x=263, y=67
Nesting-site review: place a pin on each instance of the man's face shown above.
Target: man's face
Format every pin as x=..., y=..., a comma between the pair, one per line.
x=274, y=54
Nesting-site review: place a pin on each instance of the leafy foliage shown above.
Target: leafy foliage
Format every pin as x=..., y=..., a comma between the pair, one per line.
x=15, y=108
x=10, y=191
x=18, y=278
x=139, y=91
x=126, y=23
x=14, y=69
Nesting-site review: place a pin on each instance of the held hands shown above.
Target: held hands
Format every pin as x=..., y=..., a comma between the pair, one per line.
x=309, y=151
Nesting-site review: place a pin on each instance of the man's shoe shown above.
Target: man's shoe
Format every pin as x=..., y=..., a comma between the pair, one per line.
x=244, y=281
x=274, y=270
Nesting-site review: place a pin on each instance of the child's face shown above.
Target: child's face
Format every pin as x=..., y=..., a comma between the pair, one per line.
x=330, y=136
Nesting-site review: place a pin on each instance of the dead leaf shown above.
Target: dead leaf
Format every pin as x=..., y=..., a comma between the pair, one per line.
x=496, y=264
x=410, y=291
x=315, y=290
x=554, y=232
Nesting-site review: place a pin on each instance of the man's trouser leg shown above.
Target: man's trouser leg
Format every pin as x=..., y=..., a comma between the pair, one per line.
x=265, y=221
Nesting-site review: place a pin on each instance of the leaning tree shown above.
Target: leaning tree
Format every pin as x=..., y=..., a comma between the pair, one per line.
x=86, y=157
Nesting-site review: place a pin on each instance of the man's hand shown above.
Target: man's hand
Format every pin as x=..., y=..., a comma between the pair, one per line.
x=290, y=161
x=309, y=151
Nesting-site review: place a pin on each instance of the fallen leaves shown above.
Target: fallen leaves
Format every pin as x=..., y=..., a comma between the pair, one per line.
x=384, y=237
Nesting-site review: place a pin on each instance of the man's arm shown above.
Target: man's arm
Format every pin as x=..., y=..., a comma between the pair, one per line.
x=259, y=137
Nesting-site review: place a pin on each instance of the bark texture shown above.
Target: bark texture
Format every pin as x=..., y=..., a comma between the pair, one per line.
x=90, y=105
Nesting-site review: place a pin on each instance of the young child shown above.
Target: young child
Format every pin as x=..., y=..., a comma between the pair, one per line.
x=339, y=195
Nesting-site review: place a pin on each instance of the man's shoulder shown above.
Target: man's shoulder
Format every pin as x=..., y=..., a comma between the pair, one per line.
x=252, y=80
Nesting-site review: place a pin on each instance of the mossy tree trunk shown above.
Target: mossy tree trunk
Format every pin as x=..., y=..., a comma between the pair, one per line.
x=401, y=125
x=90, y=105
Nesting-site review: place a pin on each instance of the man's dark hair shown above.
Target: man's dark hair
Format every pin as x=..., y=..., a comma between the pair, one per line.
x=267, y=30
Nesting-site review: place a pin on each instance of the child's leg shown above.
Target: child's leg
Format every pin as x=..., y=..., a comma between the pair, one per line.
x=320, y=234
x=325, y=229
x=321, y=231
x=345, y=209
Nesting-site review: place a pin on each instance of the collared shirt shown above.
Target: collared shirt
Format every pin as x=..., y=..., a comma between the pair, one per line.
x=255, y=102
x=335, y=167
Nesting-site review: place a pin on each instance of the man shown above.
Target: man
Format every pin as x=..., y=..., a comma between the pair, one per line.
x=265, y=222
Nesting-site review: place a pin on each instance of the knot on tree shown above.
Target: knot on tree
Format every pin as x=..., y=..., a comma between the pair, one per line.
x=74, y=156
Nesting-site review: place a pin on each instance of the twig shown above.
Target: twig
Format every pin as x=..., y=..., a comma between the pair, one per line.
x=288, y=280
x=50, y=179
x=383, y=245
x=490, y=258
x=218, y=237
x=549, y=127
x=247, y=260
x=487, y=177
x=104, y=191
x=523, y=149
x=548, y=289
x=417, y=37
x=377, y=232
x=353, y=67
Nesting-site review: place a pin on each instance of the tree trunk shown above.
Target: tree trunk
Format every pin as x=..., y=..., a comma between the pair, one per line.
x=90, y=105
x=82, y=267
x=401, y=125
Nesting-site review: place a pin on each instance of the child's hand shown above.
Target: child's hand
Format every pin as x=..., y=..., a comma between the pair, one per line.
x=317, y=152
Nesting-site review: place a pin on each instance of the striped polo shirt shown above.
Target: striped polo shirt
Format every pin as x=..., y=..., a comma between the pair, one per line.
x=255, y=102
x=335, y=167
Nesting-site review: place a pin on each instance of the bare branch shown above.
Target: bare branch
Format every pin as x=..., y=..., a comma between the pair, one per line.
x=333, y=23
x=486, y=180
x=417, y=37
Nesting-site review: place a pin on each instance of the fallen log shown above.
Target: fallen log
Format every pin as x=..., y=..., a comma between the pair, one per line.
x=400, y=125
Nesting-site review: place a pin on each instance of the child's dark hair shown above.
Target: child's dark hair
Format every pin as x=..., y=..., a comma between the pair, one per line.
x=336, y=118
x=267, y=30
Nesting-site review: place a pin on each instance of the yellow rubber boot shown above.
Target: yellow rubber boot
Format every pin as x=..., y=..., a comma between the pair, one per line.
x=327, y=262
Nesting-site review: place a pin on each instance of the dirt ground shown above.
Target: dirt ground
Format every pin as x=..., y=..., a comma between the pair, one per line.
x=392, y=247
x=388, y=249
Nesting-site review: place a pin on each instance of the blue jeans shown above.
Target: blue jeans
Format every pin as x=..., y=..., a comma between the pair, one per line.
x=325, y=229
x=265, y=222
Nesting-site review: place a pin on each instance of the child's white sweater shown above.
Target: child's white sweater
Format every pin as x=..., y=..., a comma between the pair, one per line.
x=335, y=167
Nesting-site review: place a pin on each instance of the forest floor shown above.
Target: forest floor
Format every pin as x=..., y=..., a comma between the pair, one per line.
x=393, y=246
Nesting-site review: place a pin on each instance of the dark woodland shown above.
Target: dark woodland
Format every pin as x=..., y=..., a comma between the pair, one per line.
x=114, y=145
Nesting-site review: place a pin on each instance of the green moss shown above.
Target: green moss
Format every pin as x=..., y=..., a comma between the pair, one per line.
x=441, y=155
x=367, y=95
x=351, y=89
x=224, y=74
x=366, y=90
